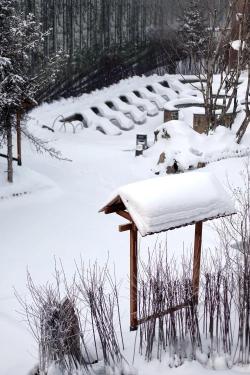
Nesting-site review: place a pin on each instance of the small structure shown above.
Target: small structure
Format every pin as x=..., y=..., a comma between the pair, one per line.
x=166, y=203
x=201, y=125
x=171, y=114
x=141, y=144
x=200, y=119
x=172, y=108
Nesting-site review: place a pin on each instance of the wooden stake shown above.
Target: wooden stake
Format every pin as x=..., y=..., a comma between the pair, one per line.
x=18, y=133
x=9, y=149
x=197, y=260
x=133, y=279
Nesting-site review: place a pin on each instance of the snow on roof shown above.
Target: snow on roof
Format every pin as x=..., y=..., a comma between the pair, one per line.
x=169, y=202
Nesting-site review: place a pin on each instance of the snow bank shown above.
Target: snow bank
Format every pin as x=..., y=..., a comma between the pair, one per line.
x=164, y=203
x=26, y=181
x=188, y=147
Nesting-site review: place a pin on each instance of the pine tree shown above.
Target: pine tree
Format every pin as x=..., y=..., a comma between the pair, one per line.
x=21, y=38
x=193, y=31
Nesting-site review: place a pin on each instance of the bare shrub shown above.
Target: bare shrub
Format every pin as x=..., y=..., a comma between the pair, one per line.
x=76, y=325
x=234, y=234
x=99, y=295
x=218, y=289
x=55, y=324
x=162, y=287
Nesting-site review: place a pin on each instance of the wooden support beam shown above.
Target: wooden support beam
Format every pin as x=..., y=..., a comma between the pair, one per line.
x=124, y=214
x=6, y=157
x=197, y=260
x=18, y=134
x=164, y=312
x=125, y=227
x=133, y=278
x=115, y=208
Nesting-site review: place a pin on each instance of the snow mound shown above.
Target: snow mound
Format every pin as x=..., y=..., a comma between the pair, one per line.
x=189, y=148
x=164, y=203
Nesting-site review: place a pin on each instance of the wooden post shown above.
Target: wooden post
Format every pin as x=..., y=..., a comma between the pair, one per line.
x=18, y=134
x=9, y=149
x=133, y=278
x=197, y=260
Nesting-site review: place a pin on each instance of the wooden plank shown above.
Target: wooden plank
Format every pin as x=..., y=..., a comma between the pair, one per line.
x=125, y=227
x=164, y=312
x=197, y=260
x=133, y=278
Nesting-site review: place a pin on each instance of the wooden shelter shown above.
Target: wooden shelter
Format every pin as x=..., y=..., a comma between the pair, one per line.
x=166, y=203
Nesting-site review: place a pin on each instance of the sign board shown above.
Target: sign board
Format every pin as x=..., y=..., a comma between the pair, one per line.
x=141, y=144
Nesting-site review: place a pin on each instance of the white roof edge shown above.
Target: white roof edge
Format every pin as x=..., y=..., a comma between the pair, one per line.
x=169, y=202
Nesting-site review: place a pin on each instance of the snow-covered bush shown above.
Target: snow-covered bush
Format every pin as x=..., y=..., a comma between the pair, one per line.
x=21, y=83
x=76, y=326
x=193, y=31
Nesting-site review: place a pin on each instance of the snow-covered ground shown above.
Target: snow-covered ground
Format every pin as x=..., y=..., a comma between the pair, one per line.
x=58, y=217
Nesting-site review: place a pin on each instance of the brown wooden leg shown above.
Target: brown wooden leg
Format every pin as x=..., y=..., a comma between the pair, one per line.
x=197, y=260
x=133, y=279
x=18, y=133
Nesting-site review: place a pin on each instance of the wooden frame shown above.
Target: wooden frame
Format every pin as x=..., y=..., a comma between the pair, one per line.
x=119, y=208
x=118, y=205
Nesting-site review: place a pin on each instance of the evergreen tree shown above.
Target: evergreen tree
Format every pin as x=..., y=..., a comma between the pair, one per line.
x=21, y=38
x=193, y=31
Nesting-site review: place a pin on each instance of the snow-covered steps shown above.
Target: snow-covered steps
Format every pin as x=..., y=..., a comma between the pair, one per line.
x=101, y=124
x=157, y=99
x=165, y=92
x=137, y=116
x=118, y=108
x=142, y=104
x=117, y=118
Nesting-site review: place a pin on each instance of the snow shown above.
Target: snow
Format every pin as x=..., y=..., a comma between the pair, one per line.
x=237, y=44
x=59, y=218
x=145, y=104
x=26, y=182
x=99, y=123
x=195, y=104
x=164, y=203
x=176, y=85
x=171, y=105
x=124, y=122
x=138, y=107
x=189, y=148
x=155, y=98
x=137, y=115
x=166, y=92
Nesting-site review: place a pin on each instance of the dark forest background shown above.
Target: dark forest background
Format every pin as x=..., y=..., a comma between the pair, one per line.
x=107, y=40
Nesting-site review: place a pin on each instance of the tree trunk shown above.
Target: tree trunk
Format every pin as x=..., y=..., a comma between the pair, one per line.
x=18, y=134
x=9, y=148
x=240, y=133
